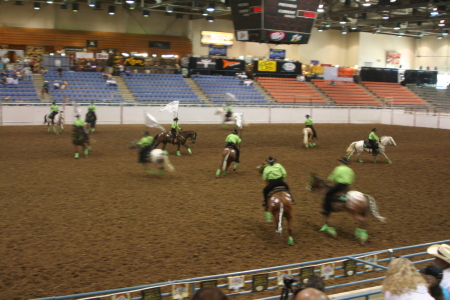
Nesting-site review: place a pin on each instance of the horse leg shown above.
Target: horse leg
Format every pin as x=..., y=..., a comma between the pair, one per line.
x=289, y=221
x=189, y=149
x=327, y=228
x=164, y=144
x=360, y=232
x=178, y=149
x=385, y=156
x=357, y=157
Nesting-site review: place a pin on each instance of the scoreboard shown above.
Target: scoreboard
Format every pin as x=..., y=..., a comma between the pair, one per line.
x=274, y=21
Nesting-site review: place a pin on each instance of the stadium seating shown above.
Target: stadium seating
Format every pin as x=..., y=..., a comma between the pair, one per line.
x=23, y=92
x=289, y=90
x=216, y=87
x=438, y=98
x=148, y=87
x=346, y=92
x=394, y=94
x=82, y=87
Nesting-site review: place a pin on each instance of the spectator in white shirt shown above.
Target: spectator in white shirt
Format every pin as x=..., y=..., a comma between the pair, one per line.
x=441, y=255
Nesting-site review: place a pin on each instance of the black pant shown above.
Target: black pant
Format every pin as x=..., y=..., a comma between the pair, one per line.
x=273, y=183
x=338, y=187
x=314, y=131
x=53, y=114
x=374, y=145
x=236, y=149
x=228, y=115
x=144, y=153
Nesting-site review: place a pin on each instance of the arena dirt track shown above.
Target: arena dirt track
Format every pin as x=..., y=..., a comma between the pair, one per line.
x=71, y=226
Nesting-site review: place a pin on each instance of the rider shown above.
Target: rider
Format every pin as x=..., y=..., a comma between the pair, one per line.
x=274, y=175
x=53, y=110
x=309, y=123
x=229, y=111
x=373, y=139
x=232, y=140
x=79, y=123
x=343, y=176
x=146, y=145
x=174, y=130
x=92, y=108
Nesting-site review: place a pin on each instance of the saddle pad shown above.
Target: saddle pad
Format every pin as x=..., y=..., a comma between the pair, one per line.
x=279, y=189
x=232, y=150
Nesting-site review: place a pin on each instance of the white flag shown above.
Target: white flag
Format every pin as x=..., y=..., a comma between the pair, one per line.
x=171, y=107
x=230, y=97
x=238, y=118
x=150, y=121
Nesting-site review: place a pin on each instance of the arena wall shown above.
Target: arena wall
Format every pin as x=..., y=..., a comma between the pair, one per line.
x=34, y=115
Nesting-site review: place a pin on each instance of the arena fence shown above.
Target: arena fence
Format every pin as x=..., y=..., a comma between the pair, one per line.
x=340, y=273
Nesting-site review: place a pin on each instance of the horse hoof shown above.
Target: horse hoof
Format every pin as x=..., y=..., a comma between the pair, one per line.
x=290, y=241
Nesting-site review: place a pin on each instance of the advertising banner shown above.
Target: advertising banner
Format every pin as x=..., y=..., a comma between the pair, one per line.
x=266, y=66
x=134, y=61
x=346, y=72
x=230, y=64
x=393, y=59
x=204, y=63
x=215, y=50
x=289, y=67
x=277, y=54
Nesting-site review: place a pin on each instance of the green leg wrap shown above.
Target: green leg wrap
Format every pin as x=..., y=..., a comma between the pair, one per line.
x=358, y=232
x=313, y=144
x=48, y=129
x=165, y=152
x=363, y=235
x=189, y=150
x=92, y=129
x=235, y=166
x=389, y=161
x=218, y=173
x=225, y=173
x=54, y=129
x=374, y=160
x=268, y=216
x=331, y=231
x=77, y=155
x=86, y=152
x=150, y=171
x=178, y=153
x=89, y=148
x=160, y=172
x=290, y=241
x=306, y=146
x=324, y=227
x=359, y=160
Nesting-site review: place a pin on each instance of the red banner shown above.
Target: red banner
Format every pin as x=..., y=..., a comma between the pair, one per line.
x=346, y=72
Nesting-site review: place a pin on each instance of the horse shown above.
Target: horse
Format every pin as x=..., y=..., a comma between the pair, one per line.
x=182, y=137
x=57, y=121
x=228, y=156
x=80, y=140
x=308, y=137
x=90, y=120
x=221, y=111
x=354, y=202
x=360, y=147
x=279, y=202
x=157, y=157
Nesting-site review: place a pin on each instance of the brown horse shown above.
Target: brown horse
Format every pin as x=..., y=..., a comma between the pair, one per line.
x=354, y=202
x=182, y=137
x=279, y=202
x=228, y=156
x=80, y=140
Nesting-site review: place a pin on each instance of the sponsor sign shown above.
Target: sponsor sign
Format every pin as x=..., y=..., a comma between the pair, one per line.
x=217, y=50
x=91, y=43
x=305, y=274
x=151, y=294
x=236, y=283
x=180, y=291
x=205, y=63
x=159, y=45
x=288, y=67
x=277, y=36
x=231, y=64
x=277, y=54
x=242, y=35
x=297, y=38
x=349, y=267
x=267, y=66
x=184, y=62
x=101, y=55
x=205, y=284
x=134, y=61
x=75, y=49
x=346, y=72
x=217, y=38
x=84, y=55
x=260, y=282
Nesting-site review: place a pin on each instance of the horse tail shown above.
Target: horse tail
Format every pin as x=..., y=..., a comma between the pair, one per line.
x=280, y=218
x=374, y=208
x=167, y=164
x=305, y=136
x=45, y=119
x=351, y=148
x=224, y=163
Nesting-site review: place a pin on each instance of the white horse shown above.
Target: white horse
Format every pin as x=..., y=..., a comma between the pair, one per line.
x=161, y=161
x=222, y=112
x=359, y=148
x=308, y=137
x=57, y=121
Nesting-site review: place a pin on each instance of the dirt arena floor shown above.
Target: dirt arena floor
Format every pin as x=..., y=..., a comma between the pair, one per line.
x=71, y=226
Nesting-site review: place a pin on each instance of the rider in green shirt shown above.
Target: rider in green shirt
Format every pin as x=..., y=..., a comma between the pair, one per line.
x=91, y=116
x=373, y=139
x=79, y=123
x=309, y=123
x=233, y=140
x=92, y=107
x=174, y=130
x=229, y=112
x=274, y=175
x=343, y=176
x=146, y=143
x=53, y=110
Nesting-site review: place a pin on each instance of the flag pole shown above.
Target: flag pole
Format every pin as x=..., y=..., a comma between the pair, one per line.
x=242, y=130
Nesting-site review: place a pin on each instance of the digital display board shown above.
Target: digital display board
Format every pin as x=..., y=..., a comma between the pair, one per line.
x=274, y=21
x=217, y=38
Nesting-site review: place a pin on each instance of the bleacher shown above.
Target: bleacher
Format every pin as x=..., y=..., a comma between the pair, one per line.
x=82, y=87
x=438, y=98
x=346, y=92
x=396, y=94
x=148, y=87
x=289, y=90
x=23, y=92
x=216, y=87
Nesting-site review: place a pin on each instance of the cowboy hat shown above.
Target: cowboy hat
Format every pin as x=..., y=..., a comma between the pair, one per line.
x=374, y=129
x=441, y=251
x=344, y=160
x=307, y=116
x=271, y=160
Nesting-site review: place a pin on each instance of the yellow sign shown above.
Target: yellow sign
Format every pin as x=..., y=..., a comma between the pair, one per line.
x=267, y=66
x=317, y=69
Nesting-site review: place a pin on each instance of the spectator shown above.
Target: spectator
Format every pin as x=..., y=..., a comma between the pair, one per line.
x=442, y=259
x=60, y=72
x=32, y=64
x=404, y=282
x=45, y=88
x=316, y=282
x=300, y=78
x=209, y=293
x=111, y=82
x=127, y=72
x=311, y=294
x=28, y=74
x=63, y=85
x=247, y=82
x=56, y=84
x=433, y=275
x=44, y=70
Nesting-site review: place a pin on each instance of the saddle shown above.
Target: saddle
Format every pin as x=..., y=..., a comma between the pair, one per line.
x=276, y=190
x=340, y=197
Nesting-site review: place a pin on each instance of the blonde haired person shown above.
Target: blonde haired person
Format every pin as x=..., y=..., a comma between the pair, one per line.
x=404, y=282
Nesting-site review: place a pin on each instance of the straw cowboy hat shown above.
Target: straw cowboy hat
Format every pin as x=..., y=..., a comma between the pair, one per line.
x=441, y=251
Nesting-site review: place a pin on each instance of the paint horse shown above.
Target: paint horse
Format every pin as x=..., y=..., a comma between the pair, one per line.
x=228, y=156
x=360, y=147
x=308, y=137
x=279, y=202
x=58, y=120
x=79, y=139
x=181, y=139
x=353, y=202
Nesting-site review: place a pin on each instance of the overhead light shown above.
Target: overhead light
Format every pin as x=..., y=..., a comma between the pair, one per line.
x=50, y=1
x=354, y=27
x=132, y=5
x=211, y=7
x=125, y=54
x=445, y=32
x=320, y=29
x=74, y=7
x=439, y=37
x=129, y=1
x=393, y=1
x=344, y=29
x=91, y=3
x=342, y=20
x=154, y=55
x=37, y=5
x=367, y=3
x=441, y=23
x=111, y=10
x=204, y=13
x=146, y=13
x=434, y=12
x=377, y=31
x=210, y=19
x=320, y=8
x=385, y=16
x=397, y=26
x=169, y=9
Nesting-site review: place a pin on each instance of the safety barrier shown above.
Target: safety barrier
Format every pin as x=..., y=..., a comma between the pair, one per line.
x=339, y=269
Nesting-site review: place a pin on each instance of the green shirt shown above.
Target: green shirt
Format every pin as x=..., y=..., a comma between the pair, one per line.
x=146, y=141
x=308, y=121
x=274, y=172
x=54, y=107
x=175, y=125
x=79, y=122
x=233, y=138
x=373, y=136
x=92, y=107
x=229, y=108
x=342, y=174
